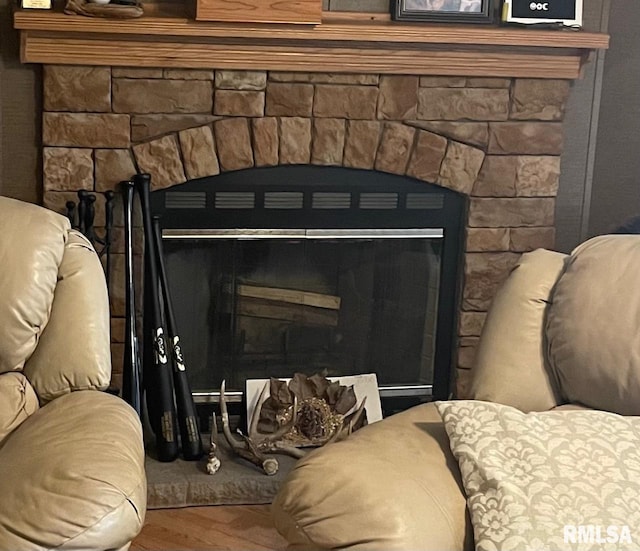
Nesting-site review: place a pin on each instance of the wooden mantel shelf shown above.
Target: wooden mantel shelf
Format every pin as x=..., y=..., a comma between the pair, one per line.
x=349, y=44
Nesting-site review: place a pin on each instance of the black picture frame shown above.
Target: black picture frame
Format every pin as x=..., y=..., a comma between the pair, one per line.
x=443, y=11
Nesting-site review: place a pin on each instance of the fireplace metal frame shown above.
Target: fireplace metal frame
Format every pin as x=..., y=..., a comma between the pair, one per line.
x=330, y=198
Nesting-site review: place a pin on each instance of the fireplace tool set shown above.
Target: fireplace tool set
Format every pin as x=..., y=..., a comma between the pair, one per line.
x=82, y=216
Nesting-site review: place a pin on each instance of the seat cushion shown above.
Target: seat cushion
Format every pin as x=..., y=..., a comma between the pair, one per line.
x=540, y=480
x=593, y=325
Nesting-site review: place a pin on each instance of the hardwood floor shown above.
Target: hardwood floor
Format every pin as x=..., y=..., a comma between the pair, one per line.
x=238, y=527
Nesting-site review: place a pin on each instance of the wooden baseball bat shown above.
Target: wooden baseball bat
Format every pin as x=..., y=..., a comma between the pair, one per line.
x=190, y=442
x=131, y=366
x=157, y=371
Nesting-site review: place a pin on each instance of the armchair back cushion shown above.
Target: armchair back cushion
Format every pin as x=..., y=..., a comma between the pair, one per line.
x=31, y=250
x=593, y=327
x=54, y=309
x=510, y=365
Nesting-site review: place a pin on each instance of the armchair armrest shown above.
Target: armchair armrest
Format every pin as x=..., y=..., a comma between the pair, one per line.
x=73, y=352
x=391, y=485
x=73, y=476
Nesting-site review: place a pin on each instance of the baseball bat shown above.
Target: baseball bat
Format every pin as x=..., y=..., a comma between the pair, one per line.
x=108, y=230
x=157, y=372
x=131, y=367
x=190, y=442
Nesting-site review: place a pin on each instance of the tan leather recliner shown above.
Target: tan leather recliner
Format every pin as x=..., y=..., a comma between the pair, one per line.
x=562, y=330
x=71, y=457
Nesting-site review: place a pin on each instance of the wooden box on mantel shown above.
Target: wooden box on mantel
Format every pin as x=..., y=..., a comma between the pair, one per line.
x=260, y=11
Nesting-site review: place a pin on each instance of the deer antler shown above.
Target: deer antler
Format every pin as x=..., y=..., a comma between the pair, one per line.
x=278, y=434
x=269, y=465
x=213, y=461
x=272, y=443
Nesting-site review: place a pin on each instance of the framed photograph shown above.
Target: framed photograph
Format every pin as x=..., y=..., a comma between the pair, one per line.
x=447, y=11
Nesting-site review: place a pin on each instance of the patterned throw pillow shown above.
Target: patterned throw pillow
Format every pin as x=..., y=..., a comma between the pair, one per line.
x=558, y=480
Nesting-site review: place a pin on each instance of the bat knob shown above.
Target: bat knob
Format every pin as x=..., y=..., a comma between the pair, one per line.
x=270, y=466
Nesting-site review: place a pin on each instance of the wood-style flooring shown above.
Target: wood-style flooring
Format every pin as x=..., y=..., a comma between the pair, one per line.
x=238, y=527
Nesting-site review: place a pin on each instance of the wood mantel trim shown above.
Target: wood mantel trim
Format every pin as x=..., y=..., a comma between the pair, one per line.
x=349, y=45
x=103, y=51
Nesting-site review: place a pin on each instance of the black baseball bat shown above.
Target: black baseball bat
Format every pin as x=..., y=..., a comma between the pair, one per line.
x=157, y=372
x=131, y=366
x=108, y=229
x=190, y=442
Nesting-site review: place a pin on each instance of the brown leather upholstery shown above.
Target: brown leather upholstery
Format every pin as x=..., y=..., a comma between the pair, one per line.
x=511, y=354
x=594, y=325
x=31, y=248
x=395, y=485
x=18, y=401
x=71, y=340
x=72, y=470
x=392, y=485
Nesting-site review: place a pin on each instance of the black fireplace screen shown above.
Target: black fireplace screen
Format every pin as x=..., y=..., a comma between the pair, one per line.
x=275, y=271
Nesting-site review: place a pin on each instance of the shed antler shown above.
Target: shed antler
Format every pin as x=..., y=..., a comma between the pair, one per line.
x=268, y=464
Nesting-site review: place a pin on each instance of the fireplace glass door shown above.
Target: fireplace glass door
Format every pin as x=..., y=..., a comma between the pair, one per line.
x=270, y=303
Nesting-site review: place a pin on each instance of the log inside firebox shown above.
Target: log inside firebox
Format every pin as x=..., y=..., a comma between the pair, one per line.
x=293, y=305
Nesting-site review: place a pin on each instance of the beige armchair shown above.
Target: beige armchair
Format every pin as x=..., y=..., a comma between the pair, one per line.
x=71, y=457
x=562, y=330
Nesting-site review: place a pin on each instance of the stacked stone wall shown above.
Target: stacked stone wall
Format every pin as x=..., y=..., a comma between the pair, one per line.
x=498, y=141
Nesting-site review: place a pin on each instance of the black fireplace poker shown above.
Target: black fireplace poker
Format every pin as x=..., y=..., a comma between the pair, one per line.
x=82, y=217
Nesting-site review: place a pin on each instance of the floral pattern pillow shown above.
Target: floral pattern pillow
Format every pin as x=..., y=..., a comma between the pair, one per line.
x=557, y=480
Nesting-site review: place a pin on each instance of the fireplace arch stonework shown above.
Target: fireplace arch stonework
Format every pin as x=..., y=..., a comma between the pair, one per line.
x=496, y=140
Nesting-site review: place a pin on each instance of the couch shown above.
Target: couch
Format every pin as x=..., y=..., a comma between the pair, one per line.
x=563, y=333
x=71, y=456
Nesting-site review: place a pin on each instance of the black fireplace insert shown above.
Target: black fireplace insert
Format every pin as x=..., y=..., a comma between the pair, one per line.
x=303, y=269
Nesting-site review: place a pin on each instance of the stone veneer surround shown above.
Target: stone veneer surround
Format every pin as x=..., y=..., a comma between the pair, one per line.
x=495, y=140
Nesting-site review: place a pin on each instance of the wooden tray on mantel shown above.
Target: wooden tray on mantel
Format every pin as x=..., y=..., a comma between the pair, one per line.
x=260, y=11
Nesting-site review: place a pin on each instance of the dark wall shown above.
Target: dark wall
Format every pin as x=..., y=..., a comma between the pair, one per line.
x=616, y=179
x=19, y=116
x=581, y=124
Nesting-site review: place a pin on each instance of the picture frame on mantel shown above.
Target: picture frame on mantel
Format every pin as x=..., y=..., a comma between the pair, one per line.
x=443, y=11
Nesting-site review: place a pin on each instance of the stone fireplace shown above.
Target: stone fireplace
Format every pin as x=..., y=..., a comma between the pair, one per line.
x=496, y=141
